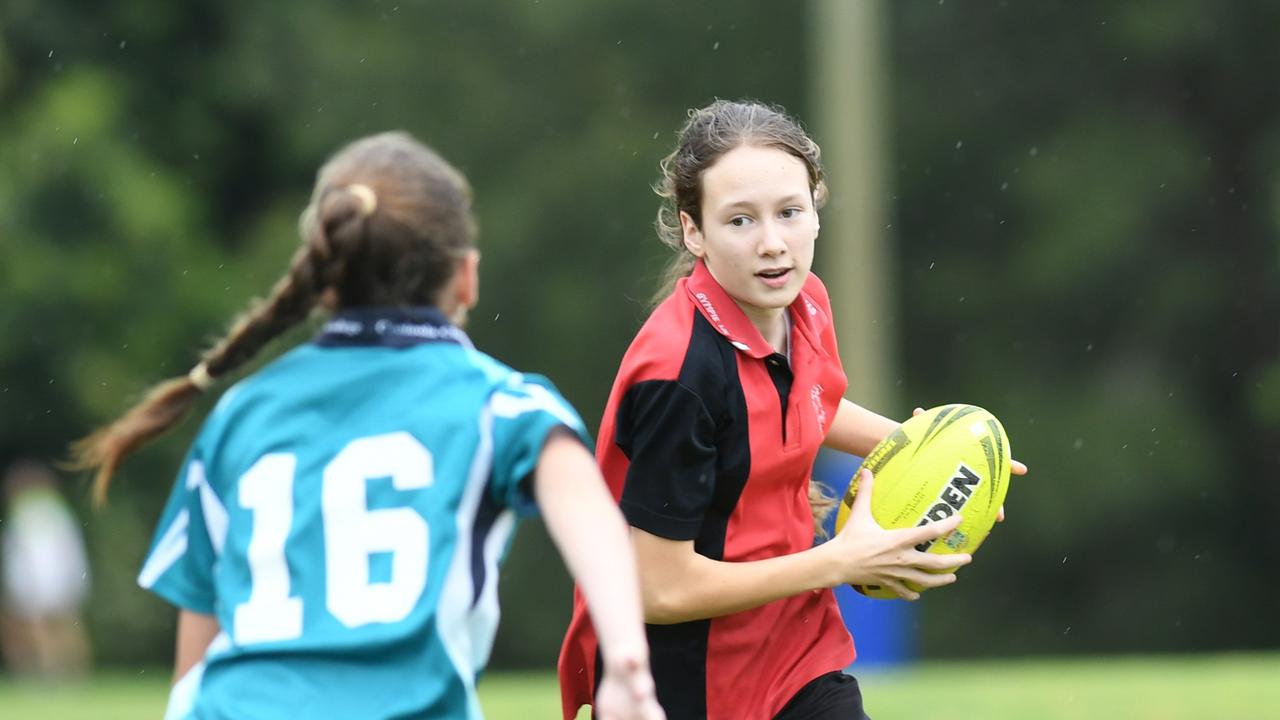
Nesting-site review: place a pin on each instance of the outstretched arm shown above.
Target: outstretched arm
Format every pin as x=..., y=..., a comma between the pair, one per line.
x=588, y=528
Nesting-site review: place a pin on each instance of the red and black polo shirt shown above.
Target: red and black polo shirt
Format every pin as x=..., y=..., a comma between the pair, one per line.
x=710, y=436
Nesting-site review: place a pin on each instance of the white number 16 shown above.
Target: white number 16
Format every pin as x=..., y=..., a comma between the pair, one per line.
x=352, y=533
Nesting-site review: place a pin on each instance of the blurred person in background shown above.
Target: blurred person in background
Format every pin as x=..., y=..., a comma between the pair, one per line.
x=333, y=541
x=46, y=577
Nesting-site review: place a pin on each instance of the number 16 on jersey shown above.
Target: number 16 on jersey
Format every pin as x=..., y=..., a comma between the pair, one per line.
x=352, y=534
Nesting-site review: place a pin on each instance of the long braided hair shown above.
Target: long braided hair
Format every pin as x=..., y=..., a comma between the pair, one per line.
x=388, y=223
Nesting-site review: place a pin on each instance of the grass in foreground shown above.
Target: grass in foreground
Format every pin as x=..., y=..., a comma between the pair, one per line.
x=1133, y=688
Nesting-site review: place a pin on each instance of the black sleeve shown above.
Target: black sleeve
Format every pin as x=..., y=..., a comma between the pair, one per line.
x=668, y=435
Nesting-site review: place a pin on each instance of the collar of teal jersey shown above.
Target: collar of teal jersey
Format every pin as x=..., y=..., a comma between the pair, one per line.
x=397, y=327
x=724, y=314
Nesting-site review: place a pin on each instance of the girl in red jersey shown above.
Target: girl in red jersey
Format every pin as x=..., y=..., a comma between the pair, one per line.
x=710, y=434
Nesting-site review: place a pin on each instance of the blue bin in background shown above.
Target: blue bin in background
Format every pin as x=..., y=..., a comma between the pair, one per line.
x=884, y=631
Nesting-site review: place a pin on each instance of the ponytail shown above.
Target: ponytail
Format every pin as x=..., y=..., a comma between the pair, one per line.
x=166, y=403
x=387, y=221
x=163, y=407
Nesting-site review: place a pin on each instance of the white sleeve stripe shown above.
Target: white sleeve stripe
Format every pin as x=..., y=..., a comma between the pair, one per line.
x=215, y=517
x=195, y=475
x=215, y=513
x=538, y=398
x=172, y=546
x=486, y=613
x=462, y=640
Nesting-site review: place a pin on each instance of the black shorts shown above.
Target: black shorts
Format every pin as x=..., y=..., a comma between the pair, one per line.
x=834, y=696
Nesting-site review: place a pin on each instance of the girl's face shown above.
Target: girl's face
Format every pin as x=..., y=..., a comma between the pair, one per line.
x=758, y=228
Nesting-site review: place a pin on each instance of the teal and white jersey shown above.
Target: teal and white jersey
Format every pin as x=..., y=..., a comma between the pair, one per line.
x=343, y=513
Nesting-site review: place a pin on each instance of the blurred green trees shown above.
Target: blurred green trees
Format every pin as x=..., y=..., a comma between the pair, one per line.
x=1085, y=209
x=1088, y=220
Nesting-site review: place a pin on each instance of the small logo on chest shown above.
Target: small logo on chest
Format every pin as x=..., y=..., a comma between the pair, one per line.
x=815, y=396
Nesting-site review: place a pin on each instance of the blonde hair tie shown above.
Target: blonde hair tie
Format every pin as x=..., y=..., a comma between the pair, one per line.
x=200, y=377
x=368, y=199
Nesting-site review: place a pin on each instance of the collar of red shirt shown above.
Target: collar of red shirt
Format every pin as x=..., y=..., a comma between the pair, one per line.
x=727, y=317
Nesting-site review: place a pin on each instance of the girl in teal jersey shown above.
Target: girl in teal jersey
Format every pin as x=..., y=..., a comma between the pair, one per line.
x=333, y=540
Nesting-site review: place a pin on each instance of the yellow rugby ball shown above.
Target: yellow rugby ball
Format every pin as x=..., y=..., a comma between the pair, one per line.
x=948, y=459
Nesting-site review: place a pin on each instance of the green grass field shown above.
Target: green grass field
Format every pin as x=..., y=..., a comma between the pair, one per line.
x=1241, y=687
